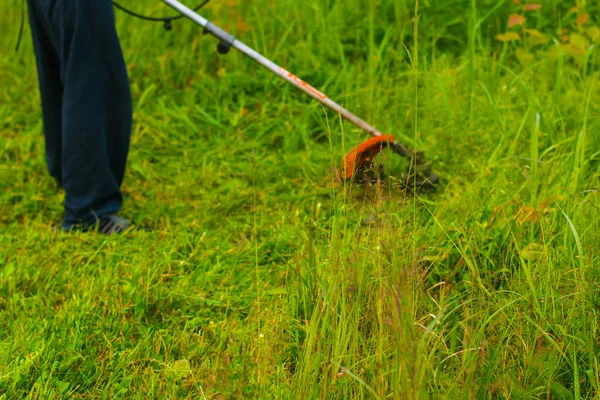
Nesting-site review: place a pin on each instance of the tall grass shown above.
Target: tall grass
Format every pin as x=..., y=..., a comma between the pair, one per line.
x=264, y=277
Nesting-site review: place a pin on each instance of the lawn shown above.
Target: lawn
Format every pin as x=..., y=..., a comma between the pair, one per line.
x=264, y=276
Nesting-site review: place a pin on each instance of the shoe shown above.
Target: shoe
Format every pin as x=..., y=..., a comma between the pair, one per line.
x=113, y=224
x=106, y=226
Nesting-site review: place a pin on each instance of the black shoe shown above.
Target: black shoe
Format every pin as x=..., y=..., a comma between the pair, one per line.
x=113, y=224
x=106, y=226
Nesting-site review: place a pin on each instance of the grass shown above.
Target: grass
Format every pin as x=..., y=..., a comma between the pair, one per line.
x=265, y=278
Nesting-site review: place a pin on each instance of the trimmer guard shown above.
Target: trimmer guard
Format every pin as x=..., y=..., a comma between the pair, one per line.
x=357, y=163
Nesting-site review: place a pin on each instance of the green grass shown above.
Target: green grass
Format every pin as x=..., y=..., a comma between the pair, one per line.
x=265, y=278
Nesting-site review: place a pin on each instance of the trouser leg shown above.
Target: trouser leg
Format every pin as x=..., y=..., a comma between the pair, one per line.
x=51, y=91
x=96, y=110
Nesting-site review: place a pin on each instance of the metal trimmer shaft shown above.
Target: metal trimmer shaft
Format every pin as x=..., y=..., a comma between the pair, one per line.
x=227, y=40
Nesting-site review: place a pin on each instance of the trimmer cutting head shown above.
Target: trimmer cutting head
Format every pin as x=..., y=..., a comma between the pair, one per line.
x=419, y=177
x=357, y=165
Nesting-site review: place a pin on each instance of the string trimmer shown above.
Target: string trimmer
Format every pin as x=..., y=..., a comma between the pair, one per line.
x=359, y=160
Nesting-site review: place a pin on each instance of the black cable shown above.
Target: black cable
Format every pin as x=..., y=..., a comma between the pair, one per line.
x=167, y=20
x=22, y=25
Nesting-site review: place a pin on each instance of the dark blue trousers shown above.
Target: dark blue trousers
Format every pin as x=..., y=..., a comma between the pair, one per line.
x=86, y=103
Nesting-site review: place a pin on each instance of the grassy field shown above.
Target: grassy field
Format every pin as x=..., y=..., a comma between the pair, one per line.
x=263, y=276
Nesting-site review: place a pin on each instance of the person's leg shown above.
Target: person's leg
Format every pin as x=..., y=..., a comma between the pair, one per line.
x=51, y=90
x=96, y=107
x=120, y=109
x=120, y=118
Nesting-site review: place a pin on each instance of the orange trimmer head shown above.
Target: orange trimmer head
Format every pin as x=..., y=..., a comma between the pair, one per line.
x=358, y=162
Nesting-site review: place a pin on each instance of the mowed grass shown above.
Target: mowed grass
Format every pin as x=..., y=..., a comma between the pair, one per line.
x=264, y=277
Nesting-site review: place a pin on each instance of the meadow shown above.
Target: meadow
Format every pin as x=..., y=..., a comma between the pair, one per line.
x=264, y=276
